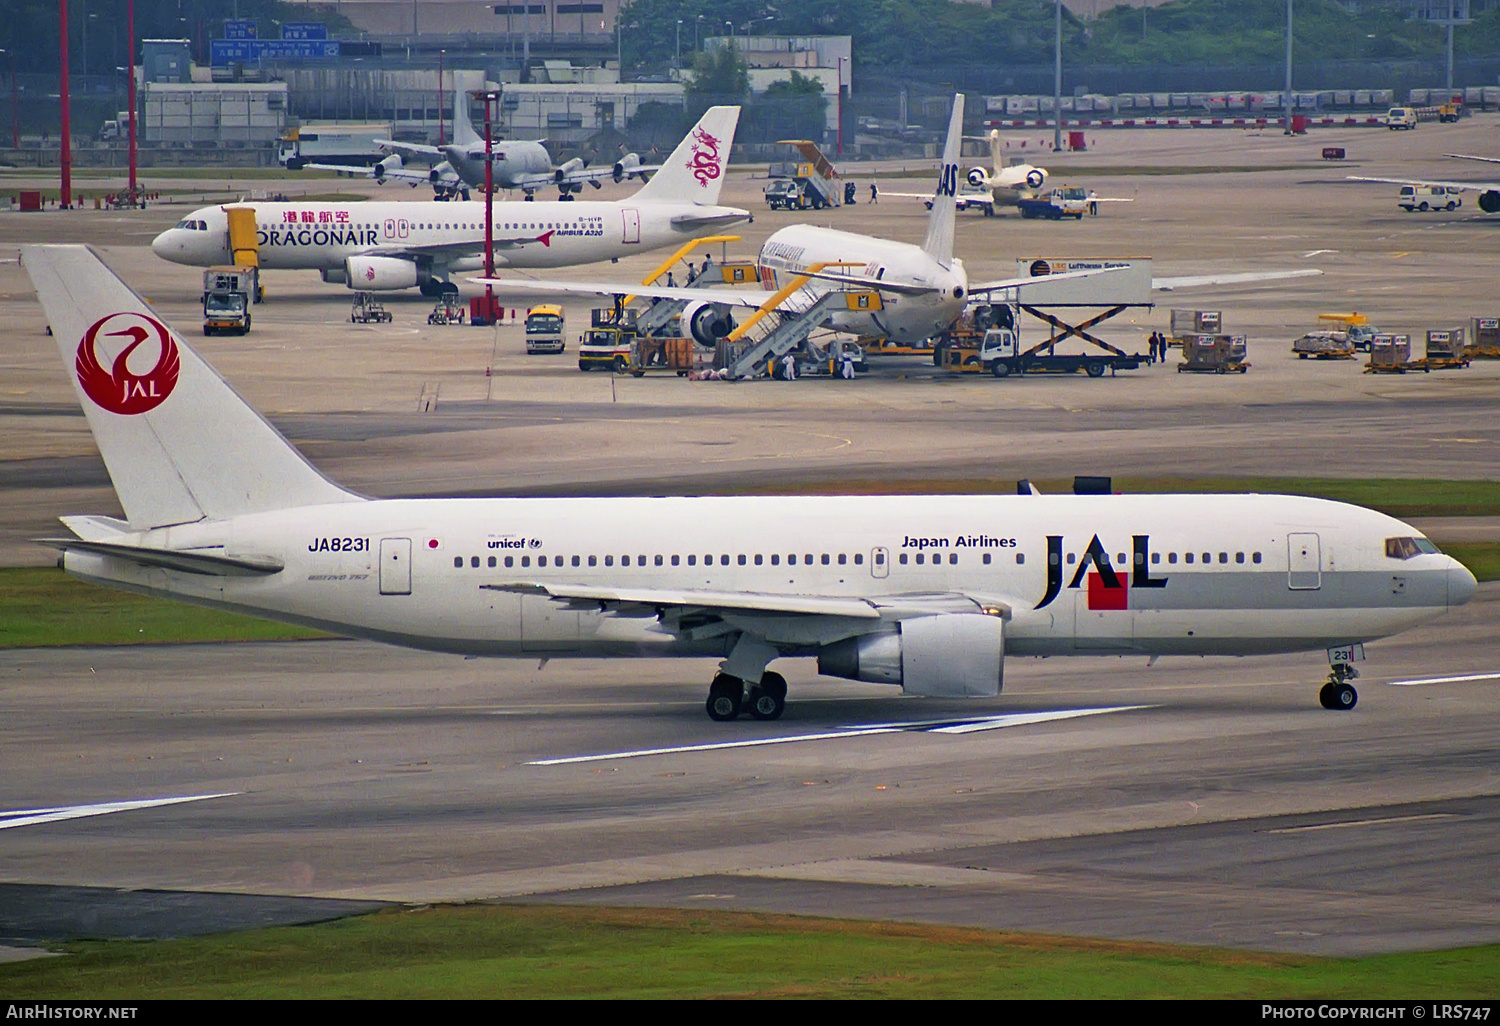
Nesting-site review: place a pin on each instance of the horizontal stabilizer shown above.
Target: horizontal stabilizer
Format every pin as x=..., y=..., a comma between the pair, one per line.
x=169, y=559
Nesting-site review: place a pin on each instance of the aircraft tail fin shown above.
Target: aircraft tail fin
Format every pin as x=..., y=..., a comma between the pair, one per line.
x=939, y=241
x=997, y=152
x=179, y=444
x=463, y=128
x=694, y=173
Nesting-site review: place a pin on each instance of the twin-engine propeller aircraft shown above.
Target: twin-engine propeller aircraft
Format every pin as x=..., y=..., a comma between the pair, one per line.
x=457, y=167
x=925, y=593
x=378, y=246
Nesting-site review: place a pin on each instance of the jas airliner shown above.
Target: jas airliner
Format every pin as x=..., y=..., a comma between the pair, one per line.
x=377, y=245
x=922, y=289
x=925, y=593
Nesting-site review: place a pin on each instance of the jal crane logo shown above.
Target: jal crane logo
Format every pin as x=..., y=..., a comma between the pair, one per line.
x=119, y=389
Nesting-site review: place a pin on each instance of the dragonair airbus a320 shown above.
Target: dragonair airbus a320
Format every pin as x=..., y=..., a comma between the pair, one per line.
x=379, y=245
x=925, y=593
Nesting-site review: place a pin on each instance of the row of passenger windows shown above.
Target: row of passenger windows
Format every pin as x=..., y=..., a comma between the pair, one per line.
x=1187, y=557
x=723, y=559
x=808, y=559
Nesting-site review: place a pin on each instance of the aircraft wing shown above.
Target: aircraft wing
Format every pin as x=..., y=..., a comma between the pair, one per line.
x=805, y=605
x=411, y=149
x=589, y=175
x=528, y=286
x=468, y=247
x=1429, y=181
x=412, y=178
x=785, y=614
x=1470, y=156
x=1012, y=283
x=1194, y=280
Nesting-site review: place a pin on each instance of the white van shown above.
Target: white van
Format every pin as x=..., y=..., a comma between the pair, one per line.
x=1429, y=197
x=1400, y=117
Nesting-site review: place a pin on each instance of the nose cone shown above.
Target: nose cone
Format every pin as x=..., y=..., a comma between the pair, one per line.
x=1461, y=584
x=167, y=246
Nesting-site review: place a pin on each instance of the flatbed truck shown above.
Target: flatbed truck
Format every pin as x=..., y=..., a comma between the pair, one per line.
x=1000, y=354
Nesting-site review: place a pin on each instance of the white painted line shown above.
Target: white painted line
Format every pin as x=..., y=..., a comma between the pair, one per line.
x=1021, y=719
x=952, y=725
x=717, y=746
x=1444, y=680
x=31, y=817
x=1363, y=822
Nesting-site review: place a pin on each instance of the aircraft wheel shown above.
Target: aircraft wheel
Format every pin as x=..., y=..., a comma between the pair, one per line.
x=1338, y=696
x=725, y=696
x=768, y=698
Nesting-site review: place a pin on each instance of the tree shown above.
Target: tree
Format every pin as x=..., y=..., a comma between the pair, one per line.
x=719, y=76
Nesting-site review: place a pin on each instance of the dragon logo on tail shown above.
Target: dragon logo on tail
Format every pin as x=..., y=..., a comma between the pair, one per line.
x=704, y=162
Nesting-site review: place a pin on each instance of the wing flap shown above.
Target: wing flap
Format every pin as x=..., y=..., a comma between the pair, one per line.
x=799, y=605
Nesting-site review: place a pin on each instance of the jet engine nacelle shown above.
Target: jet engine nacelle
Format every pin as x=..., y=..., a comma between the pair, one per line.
x=383, y=274
x=978, y=176
x=564, y=170
x=707, y=322
x=951, y=655
x=386, y=166
x=334, y=275
x=1489, y=201
x=440, y=171
x=626, y=165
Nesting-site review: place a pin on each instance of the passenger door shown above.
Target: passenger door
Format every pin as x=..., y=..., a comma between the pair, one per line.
x=395, y=566
x=1304, y=560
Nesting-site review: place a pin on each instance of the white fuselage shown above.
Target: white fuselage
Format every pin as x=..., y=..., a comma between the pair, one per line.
x=449, y=236
x=904, y=318
x=1198, y=574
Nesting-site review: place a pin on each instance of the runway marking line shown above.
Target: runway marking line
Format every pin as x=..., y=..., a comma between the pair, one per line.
x=1363, y=822
x=31, y=817
x=965, y=725
x=1444, y=680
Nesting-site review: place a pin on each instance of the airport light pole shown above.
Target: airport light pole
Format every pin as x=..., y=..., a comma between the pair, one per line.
x=1057, y=82
x=65, y=158
x=489, y=207
x=677, y=57
x=440, y=97
x=130, y=93
x=1288, y=129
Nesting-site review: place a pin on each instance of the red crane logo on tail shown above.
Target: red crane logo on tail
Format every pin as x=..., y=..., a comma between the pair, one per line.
x=704, y=162
x=119, y=390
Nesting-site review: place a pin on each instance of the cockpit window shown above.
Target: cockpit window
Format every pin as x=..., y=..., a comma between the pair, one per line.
x=1406, y=548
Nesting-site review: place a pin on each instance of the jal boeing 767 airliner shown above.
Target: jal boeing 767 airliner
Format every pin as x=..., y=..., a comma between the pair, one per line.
x=926, y=593
x=378, y=245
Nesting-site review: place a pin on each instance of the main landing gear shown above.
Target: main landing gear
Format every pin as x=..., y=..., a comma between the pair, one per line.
x=728, y=697
x=1338, y=693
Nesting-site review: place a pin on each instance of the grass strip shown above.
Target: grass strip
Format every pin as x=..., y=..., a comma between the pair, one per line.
x=1482, y=558
x=493, y=951
x=42, y=606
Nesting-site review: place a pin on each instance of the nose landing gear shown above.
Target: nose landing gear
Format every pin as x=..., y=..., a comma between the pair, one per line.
x=1338, y=693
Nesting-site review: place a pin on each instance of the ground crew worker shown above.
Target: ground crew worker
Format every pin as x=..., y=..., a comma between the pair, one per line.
x=1093, y=203
x=874, y=193
x=846, y=365
x=789, y=367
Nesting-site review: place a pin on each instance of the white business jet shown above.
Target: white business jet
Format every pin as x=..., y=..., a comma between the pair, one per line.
x=377, y=246
x=925, y=593
x=989, y=187
x=458, y=166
